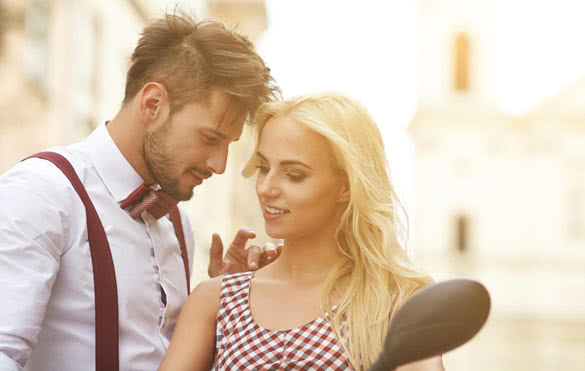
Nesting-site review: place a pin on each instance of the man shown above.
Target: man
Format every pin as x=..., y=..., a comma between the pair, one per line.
x=189, y=90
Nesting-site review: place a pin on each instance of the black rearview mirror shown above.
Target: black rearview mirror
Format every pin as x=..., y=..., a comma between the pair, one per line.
x=436, y=319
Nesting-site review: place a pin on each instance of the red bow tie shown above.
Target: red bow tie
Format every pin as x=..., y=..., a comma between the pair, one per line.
x=155, y=201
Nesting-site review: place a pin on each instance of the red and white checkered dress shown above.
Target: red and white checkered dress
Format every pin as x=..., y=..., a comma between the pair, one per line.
x=241, y=344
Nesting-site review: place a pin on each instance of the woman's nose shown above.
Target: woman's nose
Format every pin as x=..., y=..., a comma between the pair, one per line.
x=268, y=188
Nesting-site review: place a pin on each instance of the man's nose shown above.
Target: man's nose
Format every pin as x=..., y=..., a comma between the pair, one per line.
x=217, y=161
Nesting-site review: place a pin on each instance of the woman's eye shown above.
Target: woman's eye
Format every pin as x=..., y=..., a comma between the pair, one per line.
x=296, y=177
x=263, y=169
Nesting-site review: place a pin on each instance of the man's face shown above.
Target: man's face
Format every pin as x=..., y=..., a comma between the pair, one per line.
x=191, y=145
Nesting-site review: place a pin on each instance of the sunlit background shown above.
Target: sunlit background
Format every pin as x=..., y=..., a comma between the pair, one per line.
x=481, y=105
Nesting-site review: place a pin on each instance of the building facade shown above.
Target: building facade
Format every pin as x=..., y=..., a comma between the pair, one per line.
x=499, y=198
x=63, y=64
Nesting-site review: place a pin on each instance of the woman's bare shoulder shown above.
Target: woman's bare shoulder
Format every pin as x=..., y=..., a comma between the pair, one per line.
x=205, y=297
x=208, y=288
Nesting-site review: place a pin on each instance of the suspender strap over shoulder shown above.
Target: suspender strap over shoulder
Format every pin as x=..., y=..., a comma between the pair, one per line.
x=176, y=220
x=104, y=276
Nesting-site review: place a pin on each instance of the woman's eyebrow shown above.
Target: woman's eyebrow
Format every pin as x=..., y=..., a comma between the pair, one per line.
x=285, y=162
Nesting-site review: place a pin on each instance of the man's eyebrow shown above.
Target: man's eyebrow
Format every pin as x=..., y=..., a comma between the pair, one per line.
x=286, y=162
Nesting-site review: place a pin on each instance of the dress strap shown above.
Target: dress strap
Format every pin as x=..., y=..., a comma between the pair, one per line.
x=235, y=286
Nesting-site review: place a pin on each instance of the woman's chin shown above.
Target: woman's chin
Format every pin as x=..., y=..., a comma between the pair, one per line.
x=273, y=233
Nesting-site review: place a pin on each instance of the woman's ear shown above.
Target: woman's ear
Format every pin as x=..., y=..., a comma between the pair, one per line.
x=344, y=193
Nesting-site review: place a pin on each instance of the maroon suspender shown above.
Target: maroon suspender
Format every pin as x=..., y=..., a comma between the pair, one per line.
x=104, y=276
x=176, y=220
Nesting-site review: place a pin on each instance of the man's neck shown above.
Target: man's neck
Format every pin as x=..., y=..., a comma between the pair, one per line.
x=128, y=135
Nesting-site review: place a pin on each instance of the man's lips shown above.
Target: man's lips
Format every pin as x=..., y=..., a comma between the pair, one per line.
x=198, y=178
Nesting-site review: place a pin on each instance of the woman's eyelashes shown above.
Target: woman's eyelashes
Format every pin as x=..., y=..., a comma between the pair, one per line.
x=294, y=175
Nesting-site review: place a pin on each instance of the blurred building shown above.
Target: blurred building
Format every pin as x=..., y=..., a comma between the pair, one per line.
x=63, y=65
x=499, y=198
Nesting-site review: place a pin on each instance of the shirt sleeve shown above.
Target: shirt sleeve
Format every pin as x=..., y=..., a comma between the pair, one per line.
x=34, y=226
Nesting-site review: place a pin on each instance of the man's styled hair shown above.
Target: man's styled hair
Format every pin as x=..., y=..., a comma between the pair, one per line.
x=192, y=58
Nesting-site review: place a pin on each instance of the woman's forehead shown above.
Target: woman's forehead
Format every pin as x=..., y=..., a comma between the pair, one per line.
x=283, y=137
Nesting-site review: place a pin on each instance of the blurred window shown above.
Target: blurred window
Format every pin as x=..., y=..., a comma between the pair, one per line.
x=462, y=233
x=462, y=63
x=36, y=27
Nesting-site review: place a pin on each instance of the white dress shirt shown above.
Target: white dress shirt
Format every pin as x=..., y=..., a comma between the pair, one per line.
x=47, y=312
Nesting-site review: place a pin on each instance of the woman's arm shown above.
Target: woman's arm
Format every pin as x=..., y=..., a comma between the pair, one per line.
x=192, y=347
x=429, y=364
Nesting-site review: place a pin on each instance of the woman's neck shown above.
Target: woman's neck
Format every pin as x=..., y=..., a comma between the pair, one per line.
x=308, y=260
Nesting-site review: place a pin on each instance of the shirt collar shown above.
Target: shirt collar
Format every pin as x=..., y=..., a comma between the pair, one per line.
x=118, y=175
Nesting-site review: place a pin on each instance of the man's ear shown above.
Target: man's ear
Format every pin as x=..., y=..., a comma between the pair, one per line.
x=154, y=103
x=344, y=194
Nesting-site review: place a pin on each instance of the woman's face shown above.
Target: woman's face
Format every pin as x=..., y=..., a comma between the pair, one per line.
x=299, y=191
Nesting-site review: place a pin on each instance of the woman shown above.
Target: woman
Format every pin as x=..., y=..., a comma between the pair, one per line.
x=325, y=304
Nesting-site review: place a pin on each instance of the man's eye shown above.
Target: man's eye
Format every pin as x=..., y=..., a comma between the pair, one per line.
x=210, y=140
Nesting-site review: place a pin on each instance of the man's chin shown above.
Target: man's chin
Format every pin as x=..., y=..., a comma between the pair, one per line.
x=184, y=194
x=187, y=197
x=179, y=194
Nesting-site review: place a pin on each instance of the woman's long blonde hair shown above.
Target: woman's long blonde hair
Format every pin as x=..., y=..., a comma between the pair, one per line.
x=372, y=283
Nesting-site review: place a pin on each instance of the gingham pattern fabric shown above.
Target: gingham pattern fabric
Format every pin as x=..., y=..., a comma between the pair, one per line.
x=241, y=344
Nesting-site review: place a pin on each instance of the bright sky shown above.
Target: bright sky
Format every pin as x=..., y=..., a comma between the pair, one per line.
x=541, y=49
x=367, y=49
x=358, y=48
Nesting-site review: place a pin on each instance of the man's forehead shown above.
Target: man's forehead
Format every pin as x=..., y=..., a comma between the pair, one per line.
x=232, y=120
x=230, y=114
x=229, y=131
x=221, y=114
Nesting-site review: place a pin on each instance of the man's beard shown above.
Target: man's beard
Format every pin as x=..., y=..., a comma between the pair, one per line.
x=159, y=161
